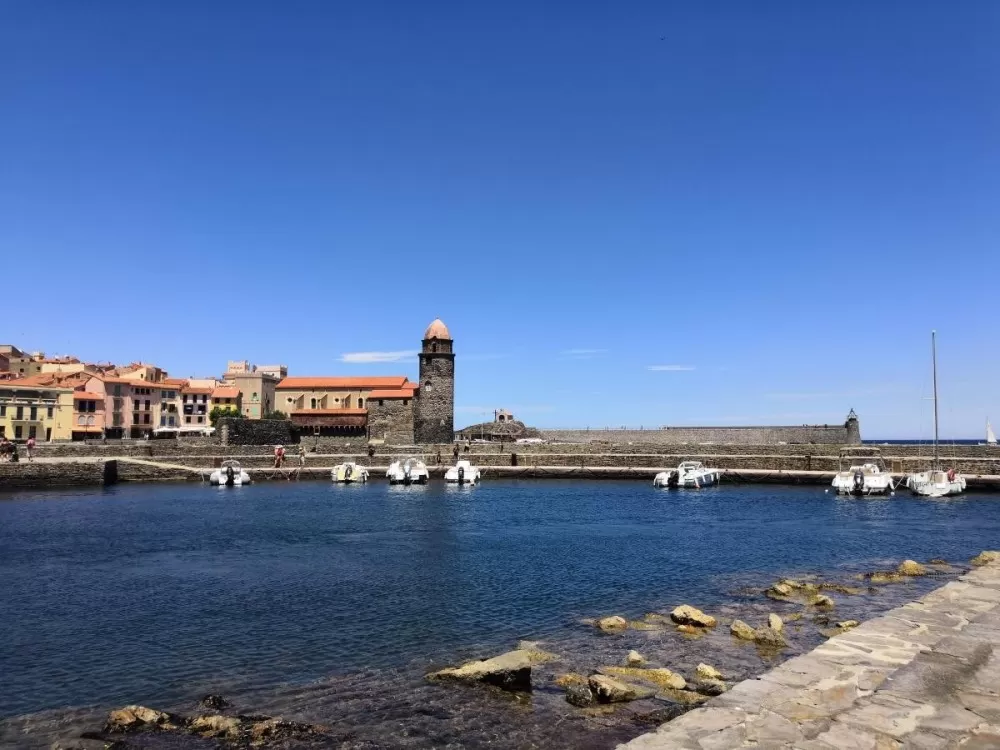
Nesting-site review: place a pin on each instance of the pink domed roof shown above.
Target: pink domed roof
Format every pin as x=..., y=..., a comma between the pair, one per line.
x=437, y=330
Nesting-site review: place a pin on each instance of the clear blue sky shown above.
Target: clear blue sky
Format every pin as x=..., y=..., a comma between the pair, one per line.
x=771, y=202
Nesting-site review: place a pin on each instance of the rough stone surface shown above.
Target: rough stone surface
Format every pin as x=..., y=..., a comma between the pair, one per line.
x=255, y=432
x=660, y=677
x=986, y=556
x=510, y=671
x=742, y=631
x=688, y=615
x=911, y=568
x=215, y=726
x=613, y=623
x=635, y=659
x=708, y=672
x=434, y=413
x=924, y=675
x=775, y=623
x=609, y=690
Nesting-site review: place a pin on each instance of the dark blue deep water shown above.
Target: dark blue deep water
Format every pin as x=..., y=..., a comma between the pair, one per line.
x=146, y=592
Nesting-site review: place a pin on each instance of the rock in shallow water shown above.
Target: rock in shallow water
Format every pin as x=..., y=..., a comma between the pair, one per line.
x=215, y=702
x=215, y=726
x=688, y=615
x=911, y=568
x=821, y=600
x=510, y=671
x=612, y=624
x=742, y=631
x=661, y=678
x=135, y=717
x=635, y=659
x=985, y=557
x=707, y=672
x=710, y=687
x=775, y=623
x=609, y=690
x=580, y=696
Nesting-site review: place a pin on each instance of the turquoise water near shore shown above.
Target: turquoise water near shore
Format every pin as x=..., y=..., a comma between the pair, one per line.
x=153, y=593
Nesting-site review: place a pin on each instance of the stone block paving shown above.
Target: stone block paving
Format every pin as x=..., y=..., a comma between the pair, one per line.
x=924, y=676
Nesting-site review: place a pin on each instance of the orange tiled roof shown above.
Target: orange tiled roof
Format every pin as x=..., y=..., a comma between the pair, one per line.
x=174, y=382
x=317, y=412
x=196, y=391
x=88, y=396
x=33, y=383
x=396, y=393
x=226, y=392
x=344, y=384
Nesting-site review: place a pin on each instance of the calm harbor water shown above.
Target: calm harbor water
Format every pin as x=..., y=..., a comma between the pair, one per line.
x=332, y=601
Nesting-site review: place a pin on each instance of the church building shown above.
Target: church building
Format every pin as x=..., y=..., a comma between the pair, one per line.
x=390, y=409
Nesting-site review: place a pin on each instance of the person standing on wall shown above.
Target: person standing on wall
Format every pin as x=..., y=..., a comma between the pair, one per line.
x=30, y=447
x=302, y=455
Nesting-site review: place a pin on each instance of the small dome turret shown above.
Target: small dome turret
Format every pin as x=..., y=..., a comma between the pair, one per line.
x=437, y=330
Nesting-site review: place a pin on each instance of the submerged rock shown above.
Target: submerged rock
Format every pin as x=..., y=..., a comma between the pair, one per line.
x=742, y=631
x=535, y=652
x=635, y=659
x=612, y=624
x=662, y=678
x=215, y=725
x=609, y=690
x=793, y=617
x=134, y=717
x=216, y=702
x=656, y=617
x=580, y=696
x=643, y=625
x=911, y=568
x=847, y=624
x=775, y=623
x=937, y=561
x=780, y=591
x=710, y=687
x=570, y=679
x=985, y=557
x=882, y=576
x=707, y=672
x=682, y=697
x=510, y=671
x=688, y=615
x=840, y=588
x=769, y=637
x=821, y=600
x=691, y=631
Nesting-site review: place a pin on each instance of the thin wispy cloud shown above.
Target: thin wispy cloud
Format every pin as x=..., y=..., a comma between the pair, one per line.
x=582, y=353
x=367, y=358
x=669, y=368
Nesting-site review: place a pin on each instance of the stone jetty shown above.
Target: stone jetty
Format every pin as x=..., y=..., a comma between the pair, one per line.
x=924, y=676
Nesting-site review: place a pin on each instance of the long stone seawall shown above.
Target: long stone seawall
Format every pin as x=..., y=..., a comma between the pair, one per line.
x=829, y=434
x=925, y=675
x=38, y=475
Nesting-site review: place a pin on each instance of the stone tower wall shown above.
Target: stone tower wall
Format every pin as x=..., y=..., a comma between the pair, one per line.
x=391, y=420
x=434, y=416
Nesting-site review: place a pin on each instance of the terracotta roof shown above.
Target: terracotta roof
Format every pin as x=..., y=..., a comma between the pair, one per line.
x=226, y=392
x=343, y=384
x=329, y=412
x=401, y=393
x=173, y=382
x=437, y=330
x=196, y=391
x=88, y=396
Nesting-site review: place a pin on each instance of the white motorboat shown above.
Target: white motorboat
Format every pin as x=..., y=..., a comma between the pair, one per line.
x=937, y=483
x=349, y=473
x=688, y=474
x=229, y=474
x=865, y=474
x=410, y=471
x=463, y=473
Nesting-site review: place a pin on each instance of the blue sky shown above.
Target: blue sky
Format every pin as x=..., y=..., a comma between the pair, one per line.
x=635, y=213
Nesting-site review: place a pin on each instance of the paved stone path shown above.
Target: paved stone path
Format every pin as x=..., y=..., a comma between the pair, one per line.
x=924, y=676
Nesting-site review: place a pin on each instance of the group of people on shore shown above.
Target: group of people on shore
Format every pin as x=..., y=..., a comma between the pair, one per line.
x=280, y=456
x=10, y=454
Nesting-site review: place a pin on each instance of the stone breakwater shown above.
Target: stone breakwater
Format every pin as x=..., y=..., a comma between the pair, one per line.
x=924, y=675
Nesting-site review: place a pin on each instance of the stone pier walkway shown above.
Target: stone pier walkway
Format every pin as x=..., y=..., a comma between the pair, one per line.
x=924, y=676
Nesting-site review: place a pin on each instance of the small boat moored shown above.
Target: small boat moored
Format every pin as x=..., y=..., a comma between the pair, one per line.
x=865, y=474
x=688, y=474
x=349, y=473
x=229, y=474
x=410, y=471
x=463, y=473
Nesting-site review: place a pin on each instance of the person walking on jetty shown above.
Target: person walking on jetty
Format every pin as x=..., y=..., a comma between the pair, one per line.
x=302, y=455
x=279, y=456
x=455, y=452
x=30, y=447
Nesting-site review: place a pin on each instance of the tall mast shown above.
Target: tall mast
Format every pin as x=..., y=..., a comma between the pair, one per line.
x=934, y=360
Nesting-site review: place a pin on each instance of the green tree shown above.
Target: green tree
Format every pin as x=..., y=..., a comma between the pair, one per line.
x=275, y=415
x=223, y=411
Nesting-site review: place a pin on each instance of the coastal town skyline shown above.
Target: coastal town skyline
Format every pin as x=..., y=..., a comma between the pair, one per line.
x=661, y=216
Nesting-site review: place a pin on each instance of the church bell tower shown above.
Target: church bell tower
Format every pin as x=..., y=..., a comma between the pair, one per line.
x=434, y=416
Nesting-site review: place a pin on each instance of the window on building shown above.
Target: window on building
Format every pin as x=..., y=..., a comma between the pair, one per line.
x=33, y=413
x=201, y=420
x=381, y=402
x=31, y=431
x=406, y=401
x=19, y=413
x=253, y=397
x=147, y=404
x=91, y=421
x=361, y=402
x=187, y=420
x=146, y=418
x=18, y=430
x=204, y=399
x=3, y=431
x=336, y=401
x=49, y=412
x=3, y=410
x=81, y=419
x=48, y=434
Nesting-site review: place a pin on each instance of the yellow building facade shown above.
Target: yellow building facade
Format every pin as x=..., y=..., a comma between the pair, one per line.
x=44, y=413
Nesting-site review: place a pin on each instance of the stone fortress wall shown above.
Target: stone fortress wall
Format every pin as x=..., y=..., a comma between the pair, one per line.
x=804, y=434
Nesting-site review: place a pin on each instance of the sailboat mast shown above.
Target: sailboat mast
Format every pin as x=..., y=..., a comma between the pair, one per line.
x=934, y=364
